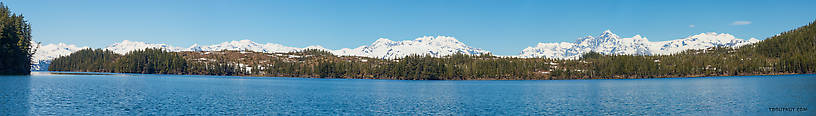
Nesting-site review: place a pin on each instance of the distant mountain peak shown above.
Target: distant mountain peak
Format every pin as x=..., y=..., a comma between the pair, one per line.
x=383, y=41
x=608, y=34
x=195, y=47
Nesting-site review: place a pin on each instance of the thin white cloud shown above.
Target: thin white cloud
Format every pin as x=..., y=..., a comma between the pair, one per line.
x=741, y=23
x=691, y=26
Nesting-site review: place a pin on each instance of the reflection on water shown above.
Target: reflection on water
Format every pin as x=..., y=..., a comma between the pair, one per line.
x=141, y=94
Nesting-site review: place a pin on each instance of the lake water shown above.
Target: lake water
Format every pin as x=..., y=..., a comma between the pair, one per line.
x=43, y=93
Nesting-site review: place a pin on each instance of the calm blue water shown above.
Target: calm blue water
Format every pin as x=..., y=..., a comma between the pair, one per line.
x=138, y=94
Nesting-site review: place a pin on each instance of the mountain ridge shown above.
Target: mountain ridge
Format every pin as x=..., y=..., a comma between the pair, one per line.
x=437, y=46
x=610, y=43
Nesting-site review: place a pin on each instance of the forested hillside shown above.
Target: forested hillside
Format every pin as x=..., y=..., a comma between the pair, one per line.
x=148, y=61
x=787, y=53
x=795, y=50
x=15, y=43
x=86, y=60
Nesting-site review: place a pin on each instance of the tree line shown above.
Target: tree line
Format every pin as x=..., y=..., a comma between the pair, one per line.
x=148, y=61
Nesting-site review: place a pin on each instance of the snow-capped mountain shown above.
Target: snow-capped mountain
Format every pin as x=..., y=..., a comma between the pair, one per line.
x=45, y=53
x=126, y=46
x=700, y=41
x=610, y=43
x=250, y=46
x=427, y=45
x=382, y=48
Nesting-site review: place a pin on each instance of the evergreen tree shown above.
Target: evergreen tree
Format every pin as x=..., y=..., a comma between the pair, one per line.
x=15, y=43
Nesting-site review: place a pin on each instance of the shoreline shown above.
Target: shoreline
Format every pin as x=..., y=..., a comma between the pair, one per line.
x=485, y=79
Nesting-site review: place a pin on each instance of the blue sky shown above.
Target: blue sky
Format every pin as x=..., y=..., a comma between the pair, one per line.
x=504, y=27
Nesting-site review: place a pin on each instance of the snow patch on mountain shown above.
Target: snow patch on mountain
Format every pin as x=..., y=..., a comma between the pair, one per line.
x=699, y=41
x=45, y=53
x=250, y=46
x=427, y=45
x=126, y=46
x=610, y=43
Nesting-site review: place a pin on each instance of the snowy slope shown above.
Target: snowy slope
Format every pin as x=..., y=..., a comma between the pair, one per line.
x=247, y=45
x=699, y=41
x=610, y=43
x=427, y=45
x=45, y=53
x=126, y=46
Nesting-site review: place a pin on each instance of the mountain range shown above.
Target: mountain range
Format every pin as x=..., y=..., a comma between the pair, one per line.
x=610, y=43
x=605, y=43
